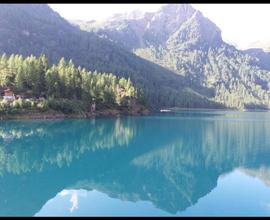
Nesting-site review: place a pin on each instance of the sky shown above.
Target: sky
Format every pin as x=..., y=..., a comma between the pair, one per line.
x=241, y=24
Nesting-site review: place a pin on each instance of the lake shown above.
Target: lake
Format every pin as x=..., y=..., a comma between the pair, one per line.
x=188, y=163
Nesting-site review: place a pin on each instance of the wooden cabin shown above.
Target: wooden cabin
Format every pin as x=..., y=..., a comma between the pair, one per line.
x=8, y=95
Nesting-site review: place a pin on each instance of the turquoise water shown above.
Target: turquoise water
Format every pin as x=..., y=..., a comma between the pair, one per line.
x=206, y=163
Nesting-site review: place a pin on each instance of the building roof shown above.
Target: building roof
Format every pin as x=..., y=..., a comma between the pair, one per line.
x=8, y=92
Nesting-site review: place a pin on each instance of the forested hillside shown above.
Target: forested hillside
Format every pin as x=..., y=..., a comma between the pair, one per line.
x=180, y=38
x=39, y=86
x=36, y=29
x=176, y=57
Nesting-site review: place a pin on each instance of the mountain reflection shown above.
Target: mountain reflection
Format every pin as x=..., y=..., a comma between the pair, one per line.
x=171, y=160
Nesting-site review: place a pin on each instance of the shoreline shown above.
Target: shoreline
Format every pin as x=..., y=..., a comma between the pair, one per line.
x=219, y=109
x=58, y=115
x=104, y=114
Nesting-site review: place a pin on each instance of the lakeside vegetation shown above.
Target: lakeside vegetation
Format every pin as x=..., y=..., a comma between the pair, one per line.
x=64, y=88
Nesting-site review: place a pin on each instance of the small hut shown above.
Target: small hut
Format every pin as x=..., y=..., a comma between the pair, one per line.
x=8, y=94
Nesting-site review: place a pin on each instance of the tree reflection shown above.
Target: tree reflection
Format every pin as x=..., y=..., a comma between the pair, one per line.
x=27, y=146
x=171, y=161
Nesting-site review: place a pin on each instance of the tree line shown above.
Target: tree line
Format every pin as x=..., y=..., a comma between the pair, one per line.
x=33, y=77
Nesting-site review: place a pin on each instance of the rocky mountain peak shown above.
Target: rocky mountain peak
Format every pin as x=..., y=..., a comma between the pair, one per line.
x=176, y=9
x=198, y=30
x=134, y=15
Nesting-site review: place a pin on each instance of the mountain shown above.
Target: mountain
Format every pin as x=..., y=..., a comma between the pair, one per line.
x=262, y=56
x=262, y=173
x=261, y=50
x=263, y=44
x=180, y=38
x=176, y=56
x=35, y=29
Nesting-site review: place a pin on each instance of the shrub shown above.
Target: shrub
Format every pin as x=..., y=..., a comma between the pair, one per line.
x=17, y=103
x=43, y=105
x=66, y=106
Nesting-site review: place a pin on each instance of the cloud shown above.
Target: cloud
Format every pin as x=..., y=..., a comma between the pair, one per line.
x=74, y=201
x=64, y=193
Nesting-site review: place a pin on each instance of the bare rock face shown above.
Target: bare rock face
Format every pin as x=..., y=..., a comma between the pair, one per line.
x=197, y=31
x=167, y=21
x=173, y=22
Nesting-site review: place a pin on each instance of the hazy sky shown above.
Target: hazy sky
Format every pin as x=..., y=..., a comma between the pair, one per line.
x=241, y=24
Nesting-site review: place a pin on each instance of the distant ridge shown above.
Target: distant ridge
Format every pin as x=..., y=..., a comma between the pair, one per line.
x=180, y=38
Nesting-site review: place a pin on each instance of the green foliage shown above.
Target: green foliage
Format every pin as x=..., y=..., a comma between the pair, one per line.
x=16, y=106
x=66, y=106
x=62, y=87
x=43, y=105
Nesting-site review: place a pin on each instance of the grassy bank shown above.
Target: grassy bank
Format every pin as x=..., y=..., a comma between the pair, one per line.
x=59, y=115
x=63, y=108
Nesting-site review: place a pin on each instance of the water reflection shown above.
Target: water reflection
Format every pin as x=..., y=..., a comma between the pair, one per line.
x=171, y=161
